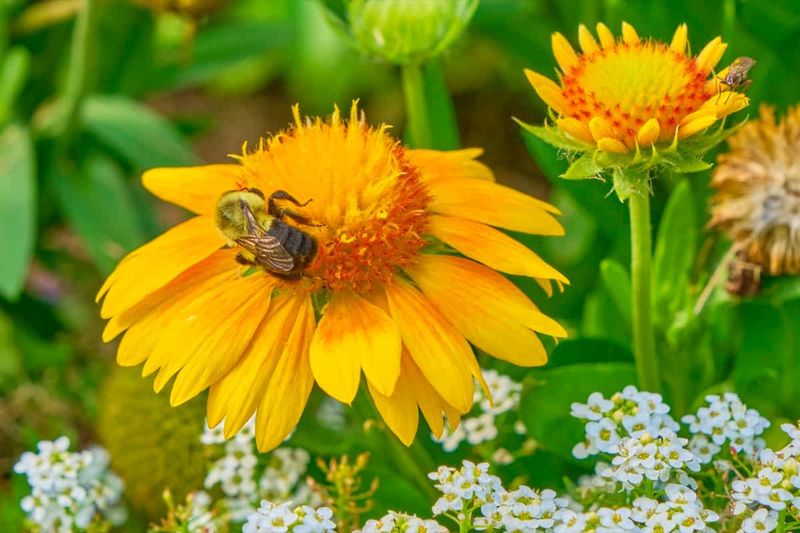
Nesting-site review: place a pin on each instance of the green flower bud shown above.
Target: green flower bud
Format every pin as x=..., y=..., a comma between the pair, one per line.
x=407, y=31
x=153, y=446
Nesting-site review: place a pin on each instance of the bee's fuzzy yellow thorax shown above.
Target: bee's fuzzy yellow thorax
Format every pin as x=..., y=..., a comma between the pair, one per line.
x=230, y=216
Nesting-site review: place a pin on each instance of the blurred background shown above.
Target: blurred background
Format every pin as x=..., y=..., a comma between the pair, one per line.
x=162, y=84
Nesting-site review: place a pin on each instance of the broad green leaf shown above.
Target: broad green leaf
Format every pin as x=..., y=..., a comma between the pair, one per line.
x=618, y=284
x=139, y=135
x=674, y=249
x=99, y=205
x=588, y=350
x=546, y=404
x=17, y=208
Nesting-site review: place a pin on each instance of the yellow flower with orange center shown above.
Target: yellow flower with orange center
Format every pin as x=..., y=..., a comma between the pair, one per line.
x=619, y=96
x=403, y=280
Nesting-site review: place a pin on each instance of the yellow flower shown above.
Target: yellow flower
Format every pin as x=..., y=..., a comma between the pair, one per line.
x=622, y=93
x=758, y=192
x=373, y=300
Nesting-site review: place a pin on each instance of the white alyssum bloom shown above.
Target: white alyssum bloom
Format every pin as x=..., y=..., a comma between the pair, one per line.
x=505, y=393
x=527, y=509
x=402, y=523
x=282, y=517
x=762, y=521
x=69, y=489
x=630, y=413
x=727, y=421
x=480, y=429
x=465, y=489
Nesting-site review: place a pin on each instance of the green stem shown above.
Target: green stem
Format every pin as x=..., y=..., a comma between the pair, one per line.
x=75, y=87
x=418, y=121
x=728, y=19
x=641, y=257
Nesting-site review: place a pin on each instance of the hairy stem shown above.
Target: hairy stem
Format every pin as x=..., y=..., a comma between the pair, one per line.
x=419, y=129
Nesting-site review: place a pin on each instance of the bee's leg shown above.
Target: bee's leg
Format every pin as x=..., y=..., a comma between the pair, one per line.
x=272, y=208
x=242, y=260
x=297, y=217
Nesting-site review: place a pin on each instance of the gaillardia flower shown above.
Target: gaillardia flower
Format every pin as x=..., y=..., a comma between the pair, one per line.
x=757, y=202
x=634, y=103
x=386, y=292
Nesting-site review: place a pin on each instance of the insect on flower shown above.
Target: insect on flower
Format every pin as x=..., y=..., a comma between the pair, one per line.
x=735, y=77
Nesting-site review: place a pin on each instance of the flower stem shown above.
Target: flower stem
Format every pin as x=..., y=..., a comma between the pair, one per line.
x=641, y=257
x=418, y=122
x=728, y=19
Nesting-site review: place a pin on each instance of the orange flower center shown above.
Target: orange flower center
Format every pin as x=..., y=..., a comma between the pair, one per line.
x=629, y=84
x=388, y=236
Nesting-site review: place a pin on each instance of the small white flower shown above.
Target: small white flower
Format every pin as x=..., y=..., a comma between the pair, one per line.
x=762, y=521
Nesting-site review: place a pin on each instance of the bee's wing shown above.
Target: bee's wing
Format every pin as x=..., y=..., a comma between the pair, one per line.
x=268, y=251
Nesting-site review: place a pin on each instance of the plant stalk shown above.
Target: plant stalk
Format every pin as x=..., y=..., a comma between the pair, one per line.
x=418, y=118
x=641, y=258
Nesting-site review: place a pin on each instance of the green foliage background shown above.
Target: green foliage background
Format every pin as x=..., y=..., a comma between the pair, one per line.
x=80, y=121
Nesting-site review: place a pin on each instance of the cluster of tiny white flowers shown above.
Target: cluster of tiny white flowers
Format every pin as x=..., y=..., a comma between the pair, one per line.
x=727, y=421
x=527, y=509
x=662, y=457
x=236, y=472
x=69, y=489
x=202, y=518
x=466, y=489
x=774, y=486
x=505, y=395
x=629, y=413
x=402, y=523
x=282, y=517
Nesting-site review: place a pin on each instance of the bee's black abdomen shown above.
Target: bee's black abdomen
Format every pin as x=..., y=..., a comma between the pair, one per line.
x=297, y=243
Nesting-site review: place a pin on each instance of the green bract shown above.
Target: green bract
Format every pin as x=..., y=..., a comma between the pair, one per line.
x=631, y=171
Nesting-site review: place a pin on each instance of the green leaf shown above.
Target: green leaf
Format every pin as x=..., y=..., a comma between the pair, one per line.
x=136, y=133
x=17, y=208
x=13, y=75
x=618, y=283
x=546, y=405
x=100, y=207
x=690, y=165
x=584, y=167
x=674, y=249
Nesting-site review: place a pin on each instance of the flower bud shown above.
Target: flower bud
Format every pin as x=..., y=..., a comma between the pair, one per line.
x=408, y=31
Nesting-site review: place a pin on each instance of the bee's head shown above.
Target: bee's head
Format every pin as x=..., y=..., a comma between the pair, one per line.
x=236, y=209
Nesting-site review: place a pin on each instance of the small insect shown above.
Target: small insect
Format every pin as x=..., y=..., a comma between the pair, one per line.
x=248, y=219
x=736, y=77
x=744, y=276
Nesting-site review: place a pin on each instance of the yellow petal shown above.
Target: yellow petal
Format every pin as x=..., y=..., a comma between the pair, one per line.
x=235, y=397
x=441, y=353
x=700, y=113
x=153, y=265
x=486, y=307
x=494, y=204
x=696, y=126
x=432, y=405
x=600, y=128
x=203, y=341
x=629, y=35
x=610, y=144
x=680, y=39
x=547, y=90
x=586, y=40
x=649, y=132
x=438, y=164
x=353, y=334
x=708, y=58
x=576, y=128
x=399, y=410
x=491, y=247
x=565, y=54
x=286, y=394
x=196, y=188
x=606, y=37
x=726, y=102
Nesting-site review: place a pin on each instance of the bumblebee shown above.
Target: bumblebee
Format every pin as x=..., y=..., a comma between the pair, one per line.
x=255, y=223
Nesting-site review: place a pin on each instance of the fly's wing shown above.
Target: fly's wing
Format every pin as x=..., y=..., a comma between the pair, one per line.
x=268, y=252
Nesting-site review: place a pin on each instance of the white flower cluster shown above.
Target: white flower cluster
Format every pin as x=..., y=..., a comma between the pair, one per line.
x=69, y=490
x=201, y=518
x=505, y=395
x=629, y=413
x=525, y=509
x=774, y=486
x=237, y=472
x=465, y=489
x=726, y=420
x=662, y=457
x=402, y=523
x=281, y=518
